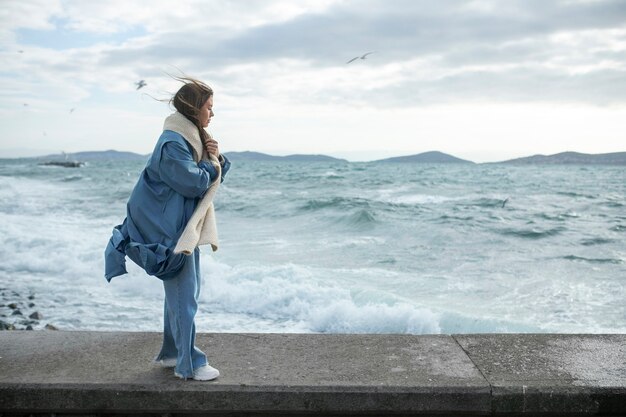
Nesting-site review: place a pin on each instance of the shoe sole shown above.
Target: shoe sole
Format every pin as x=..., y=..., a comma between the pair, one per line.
x=195, y=378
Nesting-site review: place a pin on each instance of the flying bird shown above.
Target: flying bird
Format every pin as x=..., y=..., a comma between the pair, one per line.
x=140, y=83
x=72, y=110
x=364, y=56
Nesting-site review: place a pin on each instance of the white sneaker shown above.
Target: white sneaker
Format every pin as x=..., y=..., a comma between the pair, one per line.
x=166, y=363
x=203, y=373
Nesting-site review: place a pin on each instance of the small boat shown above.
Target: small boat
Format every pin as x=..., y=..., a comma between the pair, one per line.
x=65, y=164
x=62, y=160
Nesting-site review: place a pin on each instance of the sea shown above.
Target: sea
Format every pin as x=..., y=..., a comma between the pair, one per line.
x=337, y=247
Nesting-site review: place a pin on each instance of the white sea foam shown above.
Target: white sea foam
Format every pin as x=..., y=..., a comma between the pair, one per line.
x=292, y=293
x=420, y=199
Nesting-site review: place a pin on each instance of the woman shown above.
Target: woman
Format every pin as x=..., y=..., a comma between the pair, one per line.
x=172, y=203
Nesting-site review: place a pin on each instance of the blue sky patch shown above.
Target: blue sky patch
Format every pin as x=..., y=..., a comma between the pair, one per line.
x=62, y=37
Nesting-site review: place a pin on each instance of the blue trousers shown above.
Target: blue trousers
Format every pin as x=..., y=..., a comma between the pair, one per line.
x=180, y=307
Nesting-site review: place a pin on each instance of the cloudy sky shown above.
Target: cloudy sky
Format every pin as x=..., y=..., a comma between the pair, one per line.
x=482, y=80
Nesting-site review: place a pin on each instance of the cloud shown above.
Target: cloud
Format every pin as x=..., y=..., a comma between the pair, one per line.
x=431, y=51
x=294, y=53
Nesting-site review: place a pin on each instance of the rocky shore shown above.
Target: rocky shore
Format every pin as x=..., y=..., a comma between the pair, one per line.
x=19, y=312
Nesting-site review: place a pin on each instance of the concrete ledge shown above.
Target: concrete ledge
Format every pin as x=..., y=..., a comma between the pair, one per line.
x=547, y=373
x=291, y=374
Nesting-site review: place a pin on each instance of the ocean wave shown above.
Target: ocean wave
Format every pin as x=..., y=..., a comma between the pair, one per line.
x=487, y=202
x=594, y=260
x=446, y=218
x=333, y=202
x=72, y=178
x=595, y=241
x=359, y=219
x=290, y=293
x=612, y=204
x=332, y=175
x=531, y=233
x=575, y=194
x=419, y=199
x=558, y=217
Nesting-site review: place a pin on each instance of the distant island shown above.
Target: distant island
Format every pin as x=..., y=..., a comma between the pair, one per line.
x=432, y=157
x=258, y=156
x=110, y=155
x=571, y=158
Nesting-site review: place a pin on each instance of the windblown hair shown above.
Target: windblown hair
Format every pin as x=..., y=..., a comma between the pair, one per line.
x=189, y=99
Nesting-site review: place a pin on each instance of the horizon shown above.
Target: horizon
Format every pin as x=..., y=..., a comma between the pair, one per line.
x=320, y=154
x=483, y=79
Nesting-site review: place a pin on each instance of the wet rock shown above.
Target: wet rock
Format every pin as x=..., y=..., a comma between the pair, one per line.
x=36, y=316
x=50, y=327
x=31, y=305
x=6, y=326
x=29, y=327
x=16, y=313
x=31, y=297
x=13, y=306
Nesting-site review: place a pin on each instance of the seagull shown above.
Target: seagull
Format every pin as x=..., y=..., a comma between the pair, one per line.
x=364, y=56
x=140, y=83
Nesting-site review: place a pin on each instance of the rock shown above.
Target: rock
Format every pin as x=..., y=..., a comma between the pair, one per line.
x=36, y=316
x=17, y=312
x=31, y=297
x=6, y=326
x=31, y=305
x=29, y=327
x=50, y=327
x=13, y=306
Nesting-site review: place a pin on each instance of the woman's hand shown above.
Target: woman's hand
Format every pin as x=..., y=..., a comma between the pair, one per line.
x=212, y=148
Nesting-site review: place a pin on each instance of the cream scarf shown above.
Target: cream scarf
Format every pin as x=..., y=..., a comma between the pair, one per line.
x=201, y=228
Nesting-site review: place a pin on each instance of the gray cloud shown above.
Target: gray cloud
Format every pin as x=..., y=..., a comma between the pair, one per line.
x=603, y=87
x=403, y=29
x=454, y=34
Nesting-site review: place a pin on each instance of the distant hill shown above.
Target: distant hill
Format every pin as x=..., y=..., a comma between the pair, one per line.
x=433, y=157
x=571, y=158
x=565, y=158
x=96, y=156
x=258, y=156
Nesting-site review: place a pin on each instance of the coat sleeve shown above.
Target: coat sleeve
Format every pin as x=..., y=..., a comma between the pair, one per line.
x=178, y=170
x=225, y=163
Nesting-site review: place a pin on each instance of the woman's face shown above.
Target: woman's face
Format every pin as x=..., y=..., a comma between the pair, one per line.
x=206, y=112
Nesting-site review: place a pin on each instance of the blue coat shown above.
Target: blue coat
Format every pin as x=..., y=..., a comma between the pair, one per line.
x=159, y=207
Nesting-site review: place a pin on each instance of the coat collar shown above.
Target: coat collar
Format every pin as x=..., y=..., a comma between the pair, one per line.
x=178, y=123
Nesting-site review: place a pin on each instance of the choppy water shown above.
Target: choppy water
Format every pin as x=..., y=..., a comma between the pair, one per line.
x=356, y=247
